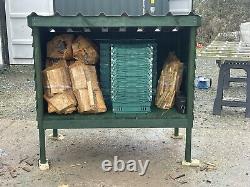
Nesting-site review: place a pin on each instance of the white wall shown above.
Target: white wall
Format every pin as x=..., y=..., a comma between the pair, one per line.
x=245, y=32
x=19, y=34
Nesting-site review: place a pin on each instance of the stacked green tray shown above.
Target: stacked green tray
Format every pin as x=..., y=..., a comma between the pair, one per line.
x=131, y=77
x=105, y=67
x=105, y=71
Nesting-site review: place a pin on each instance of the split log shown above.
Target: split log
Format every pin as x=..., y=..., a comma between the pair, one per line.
x=62, y=103
x=52, y=62
x=82, y=97
x=169, y=82
x=91, y=95
x=77, y=75
x=70, y=110
x=80, y=73
x=60, y=47
x=51, y=108
x=85, y=50
x=86, y=88
x=91, y=75
x=100, y=104
x=71, y=85
x=56, y=79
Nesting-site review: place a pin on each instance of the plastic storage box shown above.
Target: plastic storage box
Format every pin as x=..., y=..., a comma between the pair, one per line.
x=180, y=7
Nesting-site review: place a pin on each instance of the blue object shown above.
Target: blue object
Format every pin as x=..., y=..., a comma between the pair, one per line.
x=203, y=82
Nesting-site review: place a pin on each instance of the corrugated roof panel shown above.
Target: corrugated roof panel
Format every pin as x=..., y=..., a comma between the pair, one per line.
x=111, y=7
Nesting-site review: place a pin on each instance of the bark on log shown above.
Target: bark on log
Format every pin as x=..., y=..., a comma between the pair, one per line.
x=169, y=82
x=85, y=50
x=60, y=47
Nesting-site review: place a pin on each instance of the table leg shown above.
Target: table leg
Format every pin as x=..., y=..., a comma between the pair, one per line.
x=226, y=79
x=219, y=96
x=248, y=93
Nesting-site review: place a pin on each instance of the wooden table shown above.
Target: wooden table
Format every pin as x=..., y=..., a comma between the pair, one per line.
x=229, y=55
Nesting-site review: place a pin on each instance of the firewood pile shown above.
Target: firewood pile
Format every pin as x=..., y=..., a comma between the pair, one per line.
x=70, y=79
x=169, y=82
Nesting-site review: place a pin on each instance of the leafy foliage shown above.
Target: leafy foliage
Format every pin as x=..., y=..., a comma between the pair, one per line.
x=220, y=16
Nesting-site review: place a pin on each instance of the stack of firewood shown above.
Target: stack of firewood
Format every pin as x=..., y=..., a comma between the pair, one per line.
x=169, y=82
x=70, y=78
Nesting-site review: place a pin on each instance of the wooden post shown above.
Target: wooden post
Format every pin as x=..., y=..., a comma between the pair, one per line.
x=4, y=35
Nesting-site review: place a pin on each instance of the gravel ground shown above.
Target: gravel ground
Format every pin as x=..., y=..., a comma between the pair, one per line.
x=76, y=160
x=17, y=95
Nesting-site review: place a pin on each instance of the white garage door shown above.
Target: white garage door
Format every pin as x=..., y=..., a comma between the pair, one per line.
x=19, y=34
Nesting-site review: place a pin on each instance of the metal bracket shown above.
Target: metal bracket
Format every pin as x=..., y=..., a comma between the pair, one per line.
x=45, y=166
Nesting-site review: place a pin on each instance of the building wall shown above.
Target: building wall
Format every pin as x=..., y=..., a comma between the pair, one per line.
x=19, y=34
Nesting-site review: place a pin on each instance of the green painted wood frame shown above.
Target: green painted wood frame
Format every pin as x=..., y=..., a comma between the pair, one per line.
x=76, y=121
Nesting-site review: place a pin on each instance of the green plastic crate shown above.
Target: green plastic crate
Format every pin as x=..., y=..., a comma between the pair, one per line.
x=105, y=59
x=128, y=108
x=131, y=77
x=105, y=66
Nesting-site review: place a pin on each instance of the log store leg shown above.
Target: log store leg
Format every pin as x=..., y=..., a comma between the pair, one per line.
x=42, y=146
x=43, y=162
x=176, y=131
x=55, y=133
x=188, y=145
x=190, y=99
x=188, y=161
x=177, y=134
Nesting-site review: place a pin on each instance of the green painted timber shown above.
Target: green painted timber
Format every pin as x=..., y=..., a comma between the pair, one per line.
x=182, y=42
x=38, y=74
x=113, y=21
x=191, y=70
x=156, y=119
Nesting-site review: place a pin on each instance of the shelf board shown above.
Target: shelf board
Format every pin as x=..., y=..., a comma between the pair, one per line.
x=157, y=118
